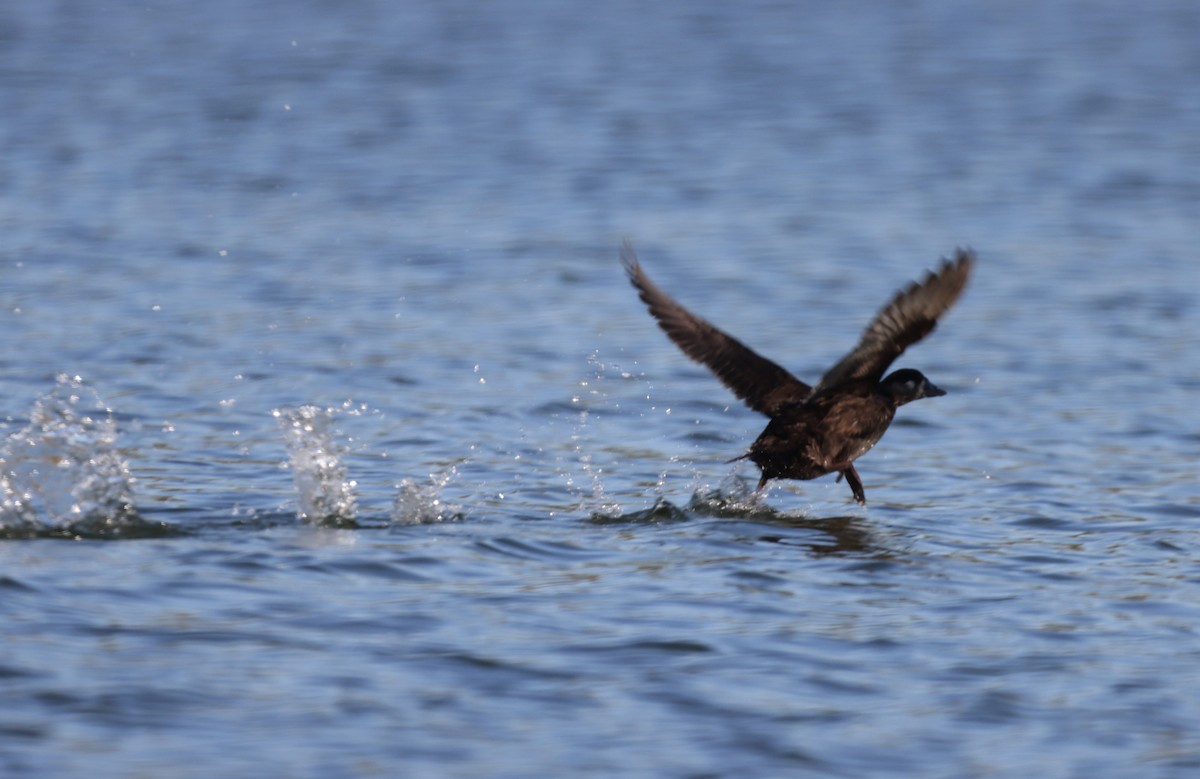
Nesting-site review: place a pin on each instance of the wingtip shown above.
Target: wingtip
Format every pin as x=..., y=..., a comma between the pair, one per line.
x=956, y=270
x=963, y=256
x=629, y=260
x=628, y=256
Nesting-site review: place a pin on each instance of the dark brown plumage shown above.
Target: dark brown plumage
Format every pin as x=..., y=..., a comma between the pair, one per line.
x=818, y=430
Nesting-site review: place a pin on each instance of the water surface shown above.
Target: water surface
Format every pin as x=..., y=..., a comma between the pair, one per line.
x=336, y=443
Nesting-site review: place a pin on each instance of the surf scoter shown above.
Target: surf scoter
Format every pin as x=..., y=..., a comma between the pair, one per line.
x=818, y=430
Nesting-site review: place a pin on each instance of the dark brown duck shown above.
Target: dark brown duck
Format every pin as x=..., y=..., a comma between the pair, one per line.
x=818, y=430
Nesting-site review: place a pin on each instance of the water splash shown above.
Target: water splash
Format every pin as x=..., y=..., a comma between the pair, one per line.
x=324, y=493
x=598, y=502
x=661, y=512
x=62, y=473
x=733, y=498
x=592, y=394
x=422, y=504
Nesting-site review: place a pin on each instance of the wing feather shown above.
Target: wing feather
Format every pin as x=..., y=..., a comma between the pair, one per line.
x=910, y=316
x=760, y=383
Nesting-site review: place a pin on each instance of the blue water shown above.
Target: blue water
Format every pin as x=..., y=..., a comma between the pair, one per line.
x=336, y=444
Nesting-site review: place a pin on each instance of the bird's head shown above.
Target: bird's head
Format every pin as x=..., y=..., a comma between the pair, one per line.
x=906, y=385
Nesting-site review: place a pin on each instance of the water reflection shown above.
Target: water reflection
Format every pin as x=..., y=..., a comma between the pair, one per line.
x=840, y=535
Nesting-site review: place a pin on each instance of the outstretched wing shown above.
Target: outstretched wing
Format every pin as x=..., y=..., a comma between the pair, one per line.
x=910, y=316
x=760, y=383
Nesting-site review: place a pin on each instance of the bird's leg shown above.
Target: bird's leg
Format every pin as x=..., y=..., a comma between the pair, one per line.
x=855, y=483
x=847, y=469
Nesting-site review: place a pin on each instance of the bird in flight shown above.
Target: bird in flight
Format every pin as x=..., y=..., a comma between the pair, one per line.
x=818, y=430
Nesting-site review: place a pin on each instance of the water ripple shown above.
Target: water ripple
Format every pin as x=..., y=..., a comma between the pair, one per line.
x=491, y=528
